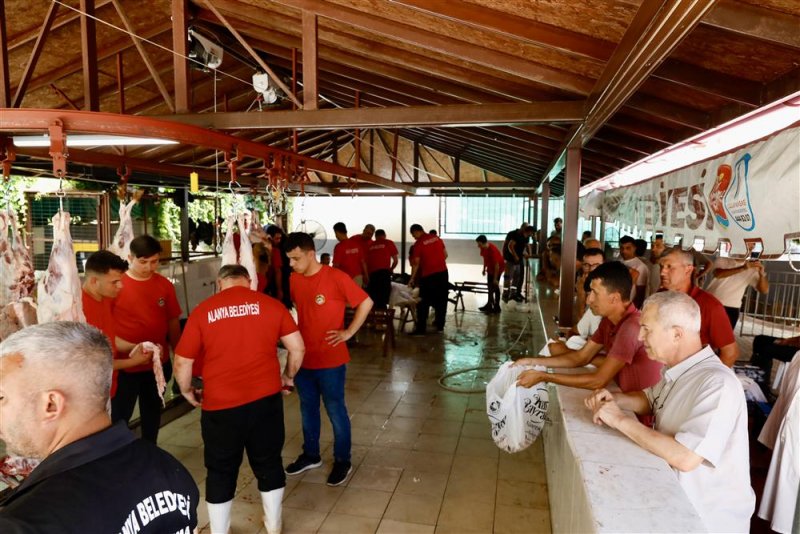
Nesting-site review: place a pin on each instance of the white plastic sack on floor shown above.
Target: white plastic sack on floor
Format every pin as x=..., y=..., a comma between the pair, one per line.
x=517, y=414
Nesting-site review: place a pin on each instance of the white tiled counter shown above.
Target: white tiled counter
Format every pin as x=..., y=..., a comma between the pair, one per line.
x=600, y=481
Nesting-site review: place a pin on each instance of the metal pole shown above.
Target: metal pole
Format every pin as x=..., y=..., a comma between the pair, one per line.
x=569, y=244
x=403, y=234
x=545, y=209
x=185, y=227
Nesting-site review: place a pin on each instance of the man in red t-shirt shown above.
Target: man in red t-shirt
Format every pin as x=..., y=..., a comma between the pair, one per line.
x=146, y=309
x=237, y=331
x=625, y=360
x=381, y=261
x=677, y=267
x=493, y=267
x=320, y=294
x=429, y=272
x=101, y=285
x=350, y=255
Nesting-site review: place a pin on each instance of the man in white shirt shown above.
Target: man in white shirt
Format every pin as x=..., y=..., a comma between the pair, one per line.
x=732, y=278
x=627, y=251
x=699, y=412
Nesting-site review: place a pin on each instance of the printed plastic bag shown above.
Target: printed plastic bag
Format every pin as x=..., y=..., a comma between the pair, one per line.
x=517, y=414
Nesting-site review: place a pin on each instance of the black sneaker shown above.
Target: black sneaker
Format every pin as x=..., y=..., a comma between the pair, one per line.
x=303, y=463
x=488, y=307
x=339, y=473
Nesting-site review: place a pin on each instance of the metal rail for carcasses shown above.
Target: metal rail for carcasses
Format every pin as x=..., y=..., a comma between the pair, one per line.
x=777, y=313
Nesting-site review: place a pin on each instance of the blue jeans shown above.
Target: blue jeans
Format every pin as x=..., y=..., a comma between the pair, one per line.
x=328, y=383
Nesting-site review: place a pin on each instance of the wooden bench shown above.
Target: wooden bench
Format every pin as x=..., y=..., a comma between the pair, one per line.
x=380, y=320
x=467, y=287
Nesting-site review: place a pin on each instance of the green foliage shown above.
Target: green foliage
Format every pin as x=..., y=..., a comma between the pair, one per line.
x=13, y=196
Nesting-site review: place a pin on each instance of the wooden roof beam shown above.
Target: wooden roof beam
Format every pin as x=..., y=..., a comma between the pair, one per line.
x=5, y=80
x=144, y=55
x=656, y=30
x=180, y=45
x=454, y=115
x=253, y=53
x=756, y=22
x=119, y=45
x=44, y=31
x=486, y=57
x=574, y=43
x=91, y=93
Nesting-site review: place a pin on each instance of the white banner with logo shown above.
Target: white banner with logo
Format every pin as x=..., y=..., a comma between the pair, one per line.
x=750, y=193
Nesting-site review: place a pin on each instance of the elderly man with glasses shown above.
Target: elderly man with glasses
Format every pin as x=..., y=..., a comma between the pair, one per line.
x=699, y=414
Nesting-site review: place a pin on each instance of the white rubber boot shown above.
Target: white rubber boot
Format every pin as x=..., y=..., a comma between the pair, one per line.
x=272, y=501
x=219, y=515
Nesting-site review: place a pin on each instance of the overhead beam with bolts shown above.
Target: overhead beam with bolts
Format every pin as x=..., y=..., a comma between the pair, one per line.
x=332, y=119
x=38, y=120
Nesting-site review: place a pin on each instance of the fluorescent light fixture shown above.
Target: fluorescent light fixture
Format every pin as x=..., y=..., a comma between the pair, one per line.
x=739, y=132
x=371, y=191
x=423, y=192
x=87, y=140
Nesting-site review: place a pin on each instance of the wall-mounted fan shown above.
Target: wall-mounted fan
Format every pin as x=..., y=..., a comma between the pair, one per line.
x=315, y=230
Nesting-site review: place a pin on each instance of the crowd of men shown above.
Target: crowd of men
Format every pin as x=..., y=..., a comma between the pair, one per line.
x=646, y=323
x=668, y=348
x=59, y=378
x=231, y=341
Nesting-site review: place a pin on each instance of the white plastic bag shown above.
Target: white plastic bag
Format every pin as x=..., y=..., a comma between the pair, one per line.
x=517, y=414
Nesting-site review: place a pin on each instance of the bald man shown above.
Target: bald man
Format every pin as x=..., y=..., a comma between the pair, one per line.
x=677, y=274
x=93, y=476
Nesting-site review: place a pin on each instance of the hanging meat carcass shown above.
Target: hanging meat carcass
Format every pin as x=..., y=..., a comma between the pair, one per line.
x=59, y=294
x=16, y=316
x=16, y=267
x=121, y=244
x=244, y=257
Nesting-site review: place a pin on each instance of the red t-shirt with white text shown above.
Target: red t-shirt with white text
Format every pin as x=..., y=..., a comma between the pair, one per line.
x=142, y=312
x=379, y=254
x=348, y=255
x=320, y=300
x=430, y=251
x=236, y=332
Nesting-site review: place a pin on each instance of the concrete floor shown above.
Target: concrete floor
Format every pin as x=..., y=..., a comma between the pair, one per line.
x=423, y=458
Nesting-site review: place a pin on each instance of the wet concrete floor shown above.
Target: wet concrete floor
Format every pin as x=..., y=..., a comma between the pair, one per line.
x=423, y=458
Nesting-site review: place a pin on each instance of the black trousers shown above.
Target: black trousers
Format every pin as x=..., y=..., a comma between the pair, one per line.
x=380, y=287
x=255, y=427
x=142, y=386
x=433, y=290
x=733, y=315
x=494, y=290
x=765, y=350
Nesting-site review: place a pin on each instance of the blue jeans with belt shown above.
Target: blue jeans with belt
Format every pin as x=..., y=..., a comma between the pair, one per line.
x=329, y=384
